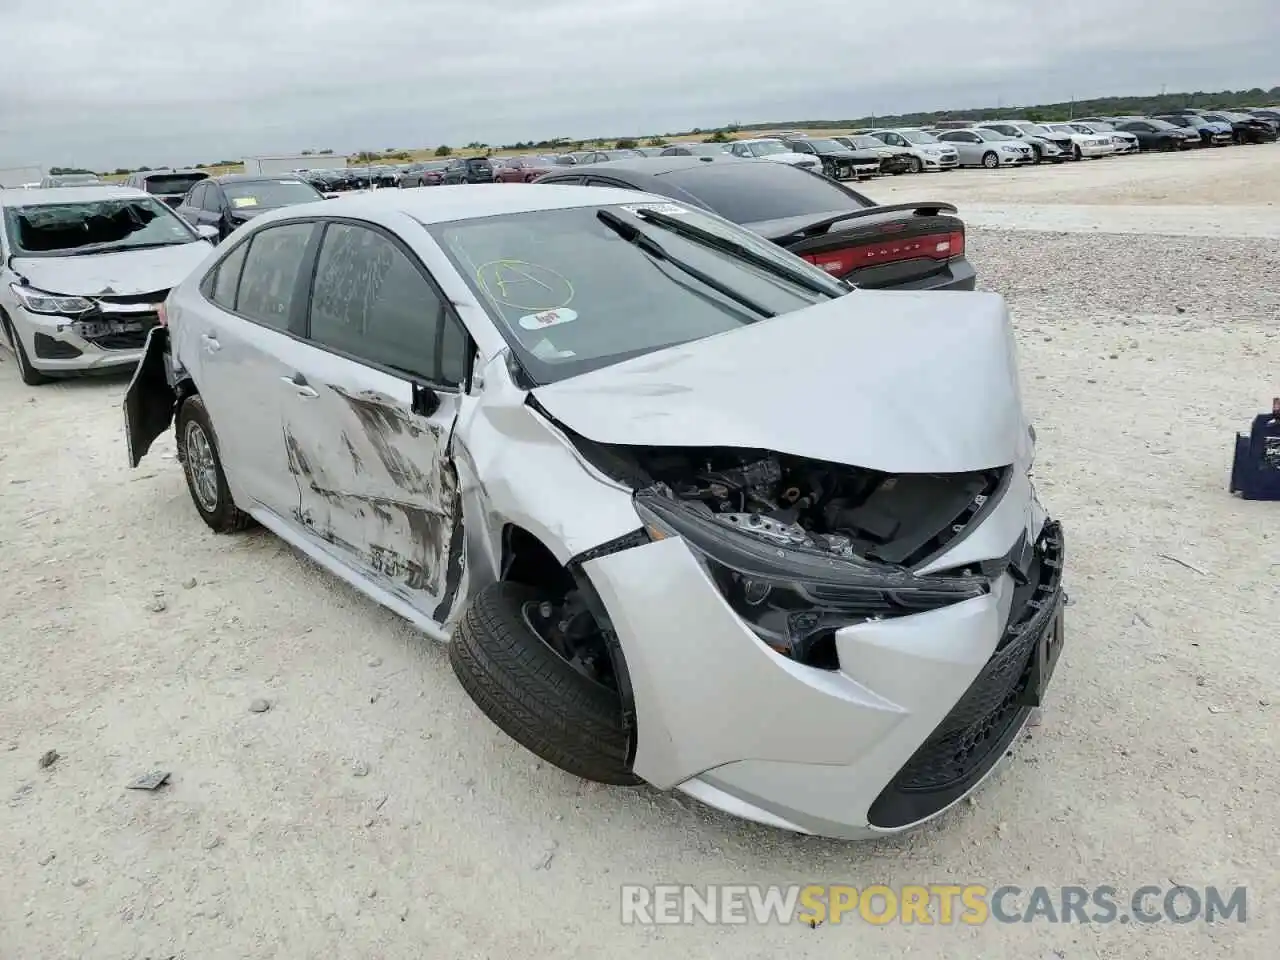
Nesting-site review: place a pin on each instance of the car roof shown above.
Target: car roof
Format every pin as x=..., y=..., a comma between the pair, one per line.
x=255, y=177
x=461, y=202
x=656, y=166
x=33, y=196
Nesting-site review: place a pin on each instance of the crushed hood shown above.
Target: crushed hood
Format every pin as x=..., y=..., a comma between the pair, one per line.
x=120, y=274
x=902, y=382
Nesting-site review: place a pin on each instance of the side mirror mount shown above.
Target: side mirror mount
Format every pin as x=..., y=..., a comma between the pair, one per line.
x=208, y=232
x=425, y=401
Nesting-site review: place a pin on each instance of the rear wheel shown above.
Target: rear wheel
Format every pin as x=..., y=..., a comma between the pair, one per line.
x=29, y=374
x=206, y=481
x=509, y=658
x=990, y=160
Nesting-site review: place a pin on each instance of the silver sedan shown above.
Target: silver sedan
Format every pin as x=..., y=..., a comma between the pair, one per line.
x=979, y=147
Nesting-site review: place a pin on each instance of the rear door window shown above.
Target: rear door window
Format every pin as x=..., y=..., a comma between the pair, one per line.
x=269, y=280
x=226, y=278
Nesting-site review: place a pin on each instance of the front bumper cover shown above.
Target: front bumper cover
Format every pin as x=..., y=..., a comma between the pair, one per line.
x=723, y=718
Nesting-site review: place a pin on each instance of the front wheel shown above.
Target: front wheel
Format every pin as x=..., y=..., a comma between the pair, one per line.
x=1039, y=157
x=532, y=693
x=917, y=165
x=1077, y=152
x=29, y=374
x=202, y=464
x=990, y=160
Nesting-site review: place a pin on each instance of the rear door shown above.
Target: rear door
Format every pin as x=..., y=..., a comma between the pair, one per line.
x=378, y=381
x=233, y=346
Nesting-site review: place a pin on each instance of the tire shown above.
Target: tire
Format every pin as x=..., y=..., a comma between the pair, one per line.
x=990, y=160
x=1039, y=157
x=1077, y=152
x=917, y=165
x=198, y=451
x=532, y=694
x=29, y=374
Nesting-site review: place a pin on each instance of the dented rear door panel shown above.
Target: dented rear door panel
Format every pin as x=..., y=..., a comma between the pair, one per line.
x=375, y=484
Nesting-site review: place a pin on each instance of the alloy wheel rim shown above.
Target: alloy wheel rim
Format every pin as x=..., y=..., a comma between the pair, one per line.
x=204, y=475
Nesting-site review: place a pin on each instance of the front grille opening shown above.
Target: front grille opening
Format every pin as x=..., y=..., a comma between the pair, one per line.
x=47, y=348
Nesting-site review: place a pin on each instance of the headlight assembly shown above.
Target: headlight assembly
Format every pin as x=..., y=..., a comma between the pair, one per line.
x=795, y=597
x=37, y=301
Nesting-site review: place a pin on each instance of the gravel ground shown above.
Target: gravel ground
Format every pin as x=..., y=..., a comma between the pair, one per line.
x=371, y=811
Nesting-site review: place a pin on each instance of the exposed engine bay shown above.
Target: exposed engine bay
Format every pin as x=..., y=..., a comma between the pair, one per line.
x=842, y=510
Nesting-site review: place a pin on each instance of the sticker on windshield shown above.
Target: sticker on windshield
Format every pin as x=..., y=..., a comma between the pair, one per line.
x=244, y=201
x=670, y=209
x=548, y=318
x=546, y=350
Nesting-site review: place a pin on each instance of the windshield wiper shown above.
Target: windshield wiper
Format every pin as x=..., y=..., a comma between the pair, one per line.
x=633, y=234
x=89, y=249
x=678, y=226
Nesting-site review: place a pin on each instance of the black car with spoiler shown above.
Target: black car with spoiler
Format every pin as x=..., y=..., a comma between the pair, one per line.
x=901, y=246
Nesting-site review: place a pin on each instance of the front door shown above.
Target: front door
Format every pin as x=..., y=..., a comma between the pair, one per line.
x=368, y=424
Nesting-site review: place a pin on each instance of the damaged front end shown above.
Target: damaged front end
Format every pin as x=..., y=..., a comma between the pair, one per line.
x=800, y=549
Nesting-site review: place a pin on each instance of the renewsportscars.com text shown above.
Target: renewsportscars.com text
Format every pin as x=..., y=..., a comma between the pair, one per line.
x=929, y=904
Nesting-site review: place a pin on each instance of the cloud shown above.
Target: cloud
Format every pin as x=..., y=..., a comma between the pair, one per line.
x=142, y=81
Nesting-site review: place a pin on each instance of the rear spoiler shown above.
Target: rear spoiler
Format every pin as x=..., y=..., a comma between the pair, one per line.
x=927, y=209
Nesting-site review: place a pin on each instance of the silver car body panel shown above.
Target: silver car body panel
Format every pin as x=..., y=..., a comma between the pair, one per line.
x=685, y=647
x=707, y=393
x=352, y=445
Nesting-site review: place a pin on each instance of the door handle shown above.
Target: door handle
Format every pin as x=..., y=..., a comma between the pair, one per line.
x=299, y=383
x=211, y=342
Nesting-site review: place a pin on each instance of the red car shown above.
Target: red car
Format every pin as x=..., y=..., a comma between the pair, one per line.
x=522, y=169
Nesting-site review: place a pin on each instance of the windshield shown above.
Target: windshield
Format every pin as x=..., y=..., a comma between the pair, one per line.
x=174, y=183
x=826, y=146
x=569, y=294
x=72, y=180
x=993, y=135
x=917, y=136
x=102, y=226
x=247, y=194
x=1162, y=124
x=1033, y=129
x=764, y=148
x=865, y=142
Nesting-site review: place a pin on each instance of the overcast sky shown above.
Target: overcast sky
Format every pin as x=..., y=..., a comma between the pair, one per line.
x=130, y=82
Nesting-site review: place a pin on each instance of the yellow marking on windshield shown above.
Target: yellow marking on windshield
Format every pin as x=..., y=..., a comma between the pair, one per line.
x=503, y=280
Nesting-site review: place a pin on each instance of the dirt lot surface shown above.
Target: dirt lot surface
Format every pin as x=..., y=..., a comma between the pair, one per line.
x=372, y=812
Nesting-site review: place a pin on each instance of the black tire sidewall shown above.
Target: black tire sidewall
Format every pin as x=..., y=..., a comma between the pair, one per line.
x=225, y=516
x=532, y=694
x=29, y=374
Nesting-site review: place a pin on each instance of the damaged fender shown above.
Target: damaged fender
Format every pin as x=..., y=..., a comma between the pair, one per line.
x=534, y=478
